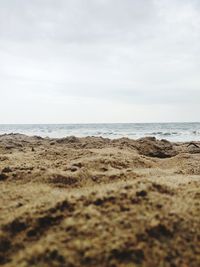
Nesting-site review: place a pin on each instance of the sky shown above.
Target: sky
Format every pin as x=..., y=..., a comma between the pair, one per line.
x=85, y=61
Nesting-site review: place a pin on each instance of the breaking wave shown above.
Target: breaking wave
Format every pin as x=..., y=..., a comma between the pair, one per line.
x=169, y=131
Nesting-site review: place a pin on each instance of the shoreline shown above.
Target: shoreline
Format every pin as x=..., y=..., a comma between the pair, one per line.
x=94, y=201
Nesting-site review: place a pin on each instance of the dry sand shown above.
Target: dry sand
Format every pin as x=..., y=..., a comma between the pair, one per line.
x=99, y=202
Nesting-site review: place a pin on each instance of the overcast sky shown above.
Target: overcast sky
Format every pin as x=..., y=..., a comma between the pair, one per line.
x=70, y=61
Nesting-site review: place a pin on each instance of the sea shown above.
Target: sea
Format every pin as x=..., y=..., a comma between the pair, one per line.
x=170, y=131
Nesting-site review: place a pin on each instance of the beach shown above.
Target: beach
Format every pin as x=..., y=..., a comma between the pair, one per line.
x=94, y=201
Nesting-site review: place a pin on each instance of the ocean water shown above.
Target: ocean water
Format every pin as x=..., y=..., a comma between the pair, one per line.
x=169, y=131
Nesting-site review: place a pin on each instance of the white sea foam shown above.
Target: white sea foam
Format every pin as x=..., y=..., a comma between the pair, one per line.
x=170, y=131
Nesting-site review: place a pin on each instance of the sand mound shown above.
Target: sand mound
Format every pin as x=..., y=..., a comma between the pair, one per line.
x=98, y=202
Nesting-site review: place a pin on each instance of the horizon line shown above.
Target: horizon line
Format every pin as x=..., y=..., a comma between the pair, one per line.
x=84, y=123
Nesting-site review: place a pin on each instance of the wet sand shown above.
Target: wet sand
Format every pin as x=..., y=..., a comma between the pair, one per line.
x=99, y=202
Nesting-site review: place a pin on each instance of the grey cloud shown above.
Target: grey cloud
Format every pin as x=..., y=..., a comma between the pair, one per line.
x=75, y=20
x=126, y=52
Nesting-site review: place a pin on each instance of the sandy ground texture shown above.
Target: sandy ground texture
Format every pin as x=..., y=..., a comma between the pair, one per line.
x=99, y=202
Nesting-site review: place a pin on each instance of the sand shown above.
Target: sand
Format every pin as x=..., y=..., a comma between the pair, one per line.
x=99, y=202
